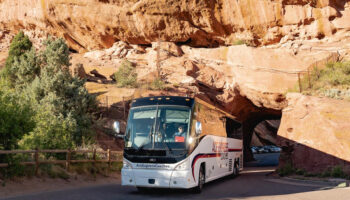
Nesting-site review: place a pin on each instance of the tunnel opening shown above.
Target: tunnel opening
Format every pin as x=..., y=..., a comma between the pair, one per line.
x=260, y=141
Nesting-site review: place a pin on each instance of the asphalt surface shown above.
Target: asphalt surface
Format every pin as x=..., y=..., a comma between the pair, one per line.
x=254, y=183
x=248, y=184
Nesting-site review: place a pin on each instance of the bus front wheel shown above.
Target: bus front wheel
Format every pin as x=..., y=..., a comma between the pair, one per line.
x=201, y=180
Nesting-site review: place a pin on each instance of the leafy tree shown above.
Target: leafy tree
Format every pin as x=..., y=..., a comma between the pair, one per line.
x=15, y=121
x=64, y=106
x=61, y=109
x=19, y=46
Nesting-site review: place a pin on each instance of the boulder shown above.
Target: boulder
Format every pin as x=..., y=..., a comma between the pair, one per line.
x=316, y=133
x=79, y=71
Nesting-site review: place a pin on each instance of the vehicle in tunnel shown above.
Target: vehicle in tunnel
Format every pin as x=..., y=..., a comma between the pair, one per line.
x=179, y=142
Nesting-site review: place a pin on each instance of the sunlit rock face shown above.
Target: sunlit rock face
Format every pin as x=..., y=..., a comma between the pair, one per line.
x=97, y=24
x=201, y=53
x=315, y=133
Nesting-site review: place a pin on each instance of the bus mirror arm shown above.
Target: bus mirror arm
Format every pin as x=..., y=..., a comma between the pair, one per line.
x=120, y=136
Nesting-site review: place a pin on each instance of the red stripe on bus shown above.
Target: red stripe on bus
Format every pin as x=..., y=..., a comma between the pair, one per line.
x=234, y=150
x=202, y=156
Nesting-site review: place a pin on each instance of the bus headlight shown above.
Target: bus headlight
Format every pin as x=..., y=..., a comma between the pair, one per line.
x=182, y=166
x=190, y=140
x=126, y=165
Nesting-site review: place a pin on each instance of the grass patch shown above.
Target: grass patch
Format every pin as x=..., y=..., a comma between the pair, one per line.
x=334, y=172
x=333, y=81
x=239, y=42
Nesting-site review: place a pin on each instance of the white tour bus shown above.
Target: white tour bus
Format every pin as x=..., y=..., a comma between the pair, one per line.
x=179, y=142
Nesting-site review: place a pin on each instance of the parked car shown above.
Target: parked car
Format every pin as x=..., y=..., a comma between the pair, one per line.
x=275, y=149
x=272, y=148
x=263, y=150
x=254, y=149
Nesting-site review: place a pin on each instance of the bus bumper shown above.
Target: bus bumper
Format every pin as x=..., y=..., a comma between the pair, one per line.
x=157, y=178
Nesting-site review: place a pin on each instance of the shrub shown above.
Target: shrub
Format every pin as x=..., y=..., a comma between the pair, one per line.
x=126, y=75
x=157, y=84
x=338, y=172
x=239, y=42
x=335, y=76
x=15, y=121
x=286, y=170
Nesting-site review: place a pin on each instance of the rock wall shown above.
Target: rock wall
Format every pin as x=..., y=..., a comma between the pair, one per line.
x=315, y=133
x=97, y=24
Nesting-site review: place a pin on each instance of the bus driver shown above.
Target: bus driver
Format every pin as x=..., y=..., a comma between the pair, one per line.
x=180, y=135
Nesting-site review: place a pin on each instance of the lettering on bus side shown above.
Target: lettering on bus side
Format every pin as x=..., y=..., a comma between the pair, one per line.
x=220, y=147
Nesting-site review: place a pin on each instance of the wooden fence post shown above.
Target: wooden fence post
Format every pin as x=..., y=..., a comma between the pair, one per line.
x=68, y=156
x=308, y=75
x=109, y=158
x=94, y=156
x=36, y=157
x=123, y=107
x=300, y=89
x=107, y=103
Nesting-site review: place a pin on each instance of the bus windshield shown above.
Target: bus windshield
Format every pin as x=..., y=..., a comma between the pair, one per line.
x=157, y=127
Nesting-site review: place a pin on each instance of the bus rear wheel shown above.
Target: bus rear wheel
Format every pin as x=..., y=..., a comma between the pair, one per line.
x=201, y=180
x=235, y=171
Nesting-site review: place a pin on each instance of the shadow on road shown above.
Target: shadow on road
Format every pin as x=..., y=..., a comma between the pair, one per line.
x=252, y=182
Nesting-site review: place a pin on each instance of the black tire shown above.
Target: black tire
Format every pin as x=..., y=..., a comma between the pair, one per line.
x=142, y=189
x=235, y=171
x=201, y=180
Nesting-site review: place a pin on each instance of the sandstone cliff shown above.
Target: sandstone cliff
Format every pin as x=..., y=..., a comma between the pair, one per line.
x=97, y=24
x=316, y=133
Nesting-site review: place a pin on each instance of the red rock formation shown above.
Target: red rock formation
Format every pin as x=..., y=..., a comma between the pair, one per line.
x=317, y=133
x=97, y=24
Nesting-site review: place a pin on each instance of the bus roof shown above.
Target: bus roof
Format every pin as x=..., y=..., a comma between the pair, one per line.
x=163, y=100
x=175, y=100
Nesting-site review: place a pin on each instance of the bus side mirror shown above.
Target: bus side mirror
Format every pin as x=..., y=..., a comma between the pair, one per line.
x=198, y=129
x=116, y=127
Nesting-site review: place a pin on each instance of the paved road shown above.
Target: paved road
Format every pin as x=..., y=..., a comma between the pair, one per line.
x=249, y=185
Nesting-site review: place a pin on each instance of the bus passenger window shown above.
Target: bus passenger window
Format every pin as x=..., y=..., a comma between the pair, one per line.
x=233, y=129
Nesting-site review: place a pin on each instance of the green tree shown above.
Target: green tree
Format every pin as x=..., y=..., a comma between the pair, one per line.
x=15, y=121
x=63, y=105
x=19, y=46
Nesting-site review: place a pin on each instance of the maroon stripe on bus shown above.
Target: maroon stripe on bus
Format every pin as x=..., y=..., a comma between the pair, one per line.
x=209, y=155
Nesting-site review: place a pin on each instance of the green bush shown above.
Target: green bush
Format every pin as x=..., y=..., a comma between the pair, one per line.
x=157, y=84
x=338, y=172
x=239, y=42
x=126, y=75
x=15, y=120
x=286, y=170
x=332, y=81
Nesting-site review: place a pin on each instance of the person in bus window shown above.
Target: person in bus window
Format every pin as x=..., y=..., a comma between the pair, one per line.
x=181, y=132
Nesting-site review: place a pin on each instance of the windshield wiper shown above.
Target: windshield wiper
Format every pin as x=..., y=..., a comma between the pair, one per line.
x=162, y=140
x=144, y=142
